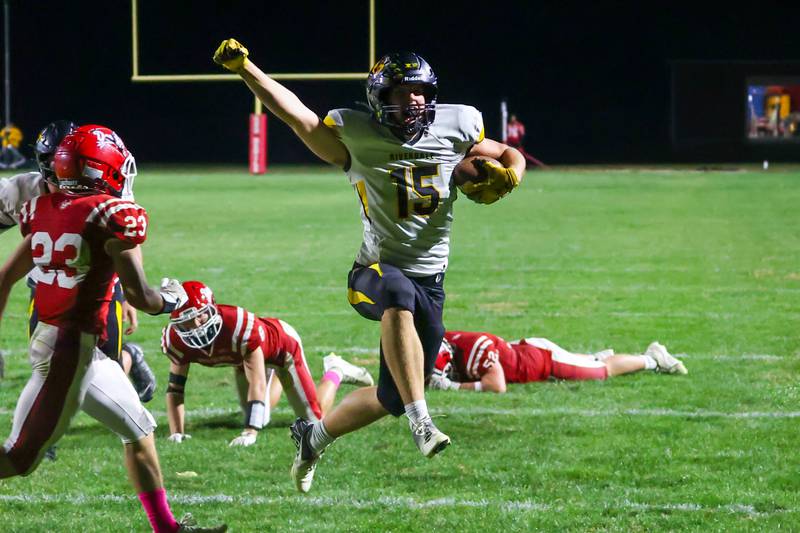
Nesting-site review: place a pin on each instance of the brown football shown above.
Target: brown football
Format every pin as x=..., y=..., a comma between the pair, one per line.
x=467, y=170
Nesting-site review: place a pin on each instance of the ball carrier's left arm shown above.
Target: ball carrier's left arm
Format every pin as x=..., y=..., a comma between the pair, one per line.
x=282, y=102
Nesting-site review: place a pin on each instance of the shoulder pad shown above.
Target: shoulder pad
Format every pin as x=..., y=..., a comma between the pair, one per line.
x=123, y=219
x=470, y=122
x=348, y=123
x=168, y=348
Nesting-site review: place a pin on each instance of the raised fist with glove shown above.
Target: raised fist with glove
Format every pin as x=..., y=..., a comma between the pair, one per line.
x=231, y=54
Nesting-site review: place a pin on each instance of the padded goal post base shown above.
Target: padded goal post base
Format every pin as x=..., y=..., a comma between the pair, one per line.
x=258, y=143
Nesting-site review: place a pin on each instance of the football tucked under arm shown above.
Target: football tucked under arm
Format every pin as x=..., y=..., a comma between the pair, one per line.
x=484, y=180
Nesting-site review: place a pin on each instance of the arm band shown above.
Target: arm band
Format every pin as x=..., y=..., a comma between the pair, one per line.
x=177, y=379
x=172, y=389
x=478, y=386
x=255, y=414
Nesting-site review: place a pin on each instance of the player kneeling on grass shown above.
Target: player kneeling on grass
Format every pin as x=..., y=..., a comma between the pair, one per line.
x=226, y=335
x=75, y=241
x=486, y=362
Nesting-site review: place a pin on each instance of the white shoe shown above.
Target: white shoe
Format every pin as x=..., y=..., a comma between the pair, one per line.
x=305, y=460
x=428, y=438
x=357, y=375
x=188, y=524
x=666, y=362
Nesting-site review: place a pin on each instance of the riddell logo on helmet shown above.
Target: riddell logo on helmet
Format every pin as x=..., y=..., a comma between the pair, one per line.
x=413, y=78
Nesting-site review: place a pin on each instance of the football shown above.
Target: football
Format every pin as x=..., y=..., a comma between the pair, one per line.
x=468, y=171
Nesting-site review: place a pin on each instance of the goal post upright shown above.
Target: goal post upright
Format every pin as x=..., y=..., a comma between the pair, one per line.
x=257, y=116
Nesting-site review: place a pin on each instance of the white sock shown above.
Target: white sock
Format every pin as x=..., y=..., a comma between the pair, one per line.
x=417, y=411
x=319, y=438
x=649, y=362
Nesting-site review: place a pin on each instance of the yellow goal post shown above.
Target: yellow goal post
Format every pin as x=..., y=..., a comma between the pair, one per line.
x=137, y=77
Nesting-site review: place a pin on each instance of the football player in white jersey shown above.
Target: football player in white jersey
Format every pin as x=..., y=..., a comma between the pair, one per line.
x=399, y=156
x=20, y=188
x=17, y=190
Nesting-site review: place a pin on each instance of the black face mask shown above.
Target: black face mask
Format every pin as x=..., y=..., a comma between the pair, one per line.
x=421, y=115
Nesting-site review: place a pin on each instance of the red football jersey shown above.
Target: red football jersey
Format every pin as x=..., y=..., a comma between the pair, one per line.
x=474, y=354
x=242, y=332
x=73, y=273
x=515, y=131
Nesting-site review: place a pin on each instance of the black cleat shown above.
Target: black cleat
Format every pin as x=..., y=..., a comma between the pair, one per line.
x=50, y=454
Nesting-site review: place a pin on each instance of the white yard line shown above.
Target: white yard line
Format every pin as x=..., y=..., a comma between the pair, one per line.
x=527, y=412
x=365, y=350
x=382, y=502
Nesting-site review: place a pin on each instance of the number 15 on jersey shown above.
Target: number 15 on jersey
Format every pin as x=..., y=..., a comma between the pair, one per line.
x=416, y=192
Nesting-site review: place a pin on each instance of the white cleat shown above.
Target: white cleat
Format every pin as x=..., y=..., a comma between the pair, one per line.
x=666, y=362
x=428, y=438
x=305, y=460
x=356, y=375
x=189, y=525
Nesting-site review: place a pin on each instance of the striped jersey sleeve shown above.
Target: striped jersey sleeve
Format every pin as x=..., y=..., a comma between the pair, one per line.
x=121, y=218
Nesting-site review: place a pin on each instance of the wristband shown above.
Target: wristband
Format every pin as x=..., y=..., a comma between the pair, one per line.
x=478, y=386
x=168, y=307
x=255, y=414
x=177, y=379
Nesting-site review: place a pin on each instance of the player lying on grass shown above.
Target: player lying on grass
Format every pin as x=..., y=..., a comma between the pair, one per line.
x=203, y=332
x=21, y=188
x=399, y=156
x=485, y=362
x=75, y=242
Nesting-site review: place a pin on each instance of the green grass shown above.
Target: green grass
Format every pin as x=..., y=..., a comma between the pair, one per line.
x=706, y=262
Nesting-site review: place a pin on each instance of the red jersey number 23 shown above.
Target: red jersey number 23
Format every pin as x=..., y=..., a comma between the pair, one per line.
x=59, y=259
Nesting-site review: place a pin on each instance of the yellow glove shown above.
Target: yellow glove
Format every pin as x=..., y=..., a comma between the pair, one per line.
x=231, y=54
x=499, y=181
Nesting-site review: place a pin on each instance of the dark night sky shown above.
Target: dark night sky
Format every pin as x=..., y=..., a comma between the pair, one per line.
x=592, y=82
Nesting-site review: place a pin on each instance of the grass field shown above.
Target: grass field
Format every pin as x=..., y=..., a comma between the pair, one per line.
x=708, y=263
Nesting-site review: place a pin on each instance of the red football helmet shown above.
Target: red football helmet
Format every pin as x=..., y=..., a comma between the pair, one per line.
x=198, y=321
x=94, y=158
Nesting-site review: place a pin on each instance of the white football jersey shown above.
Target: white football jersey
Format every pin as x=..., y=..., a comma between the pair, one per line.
x=14, y=192
x=406, y=191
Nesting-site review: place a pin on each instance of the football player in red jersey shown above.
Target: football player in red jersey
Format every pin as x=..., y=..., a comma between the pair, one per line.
x=485, y=362
x=18, y=189
x=211, y=334
x=77, y=241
